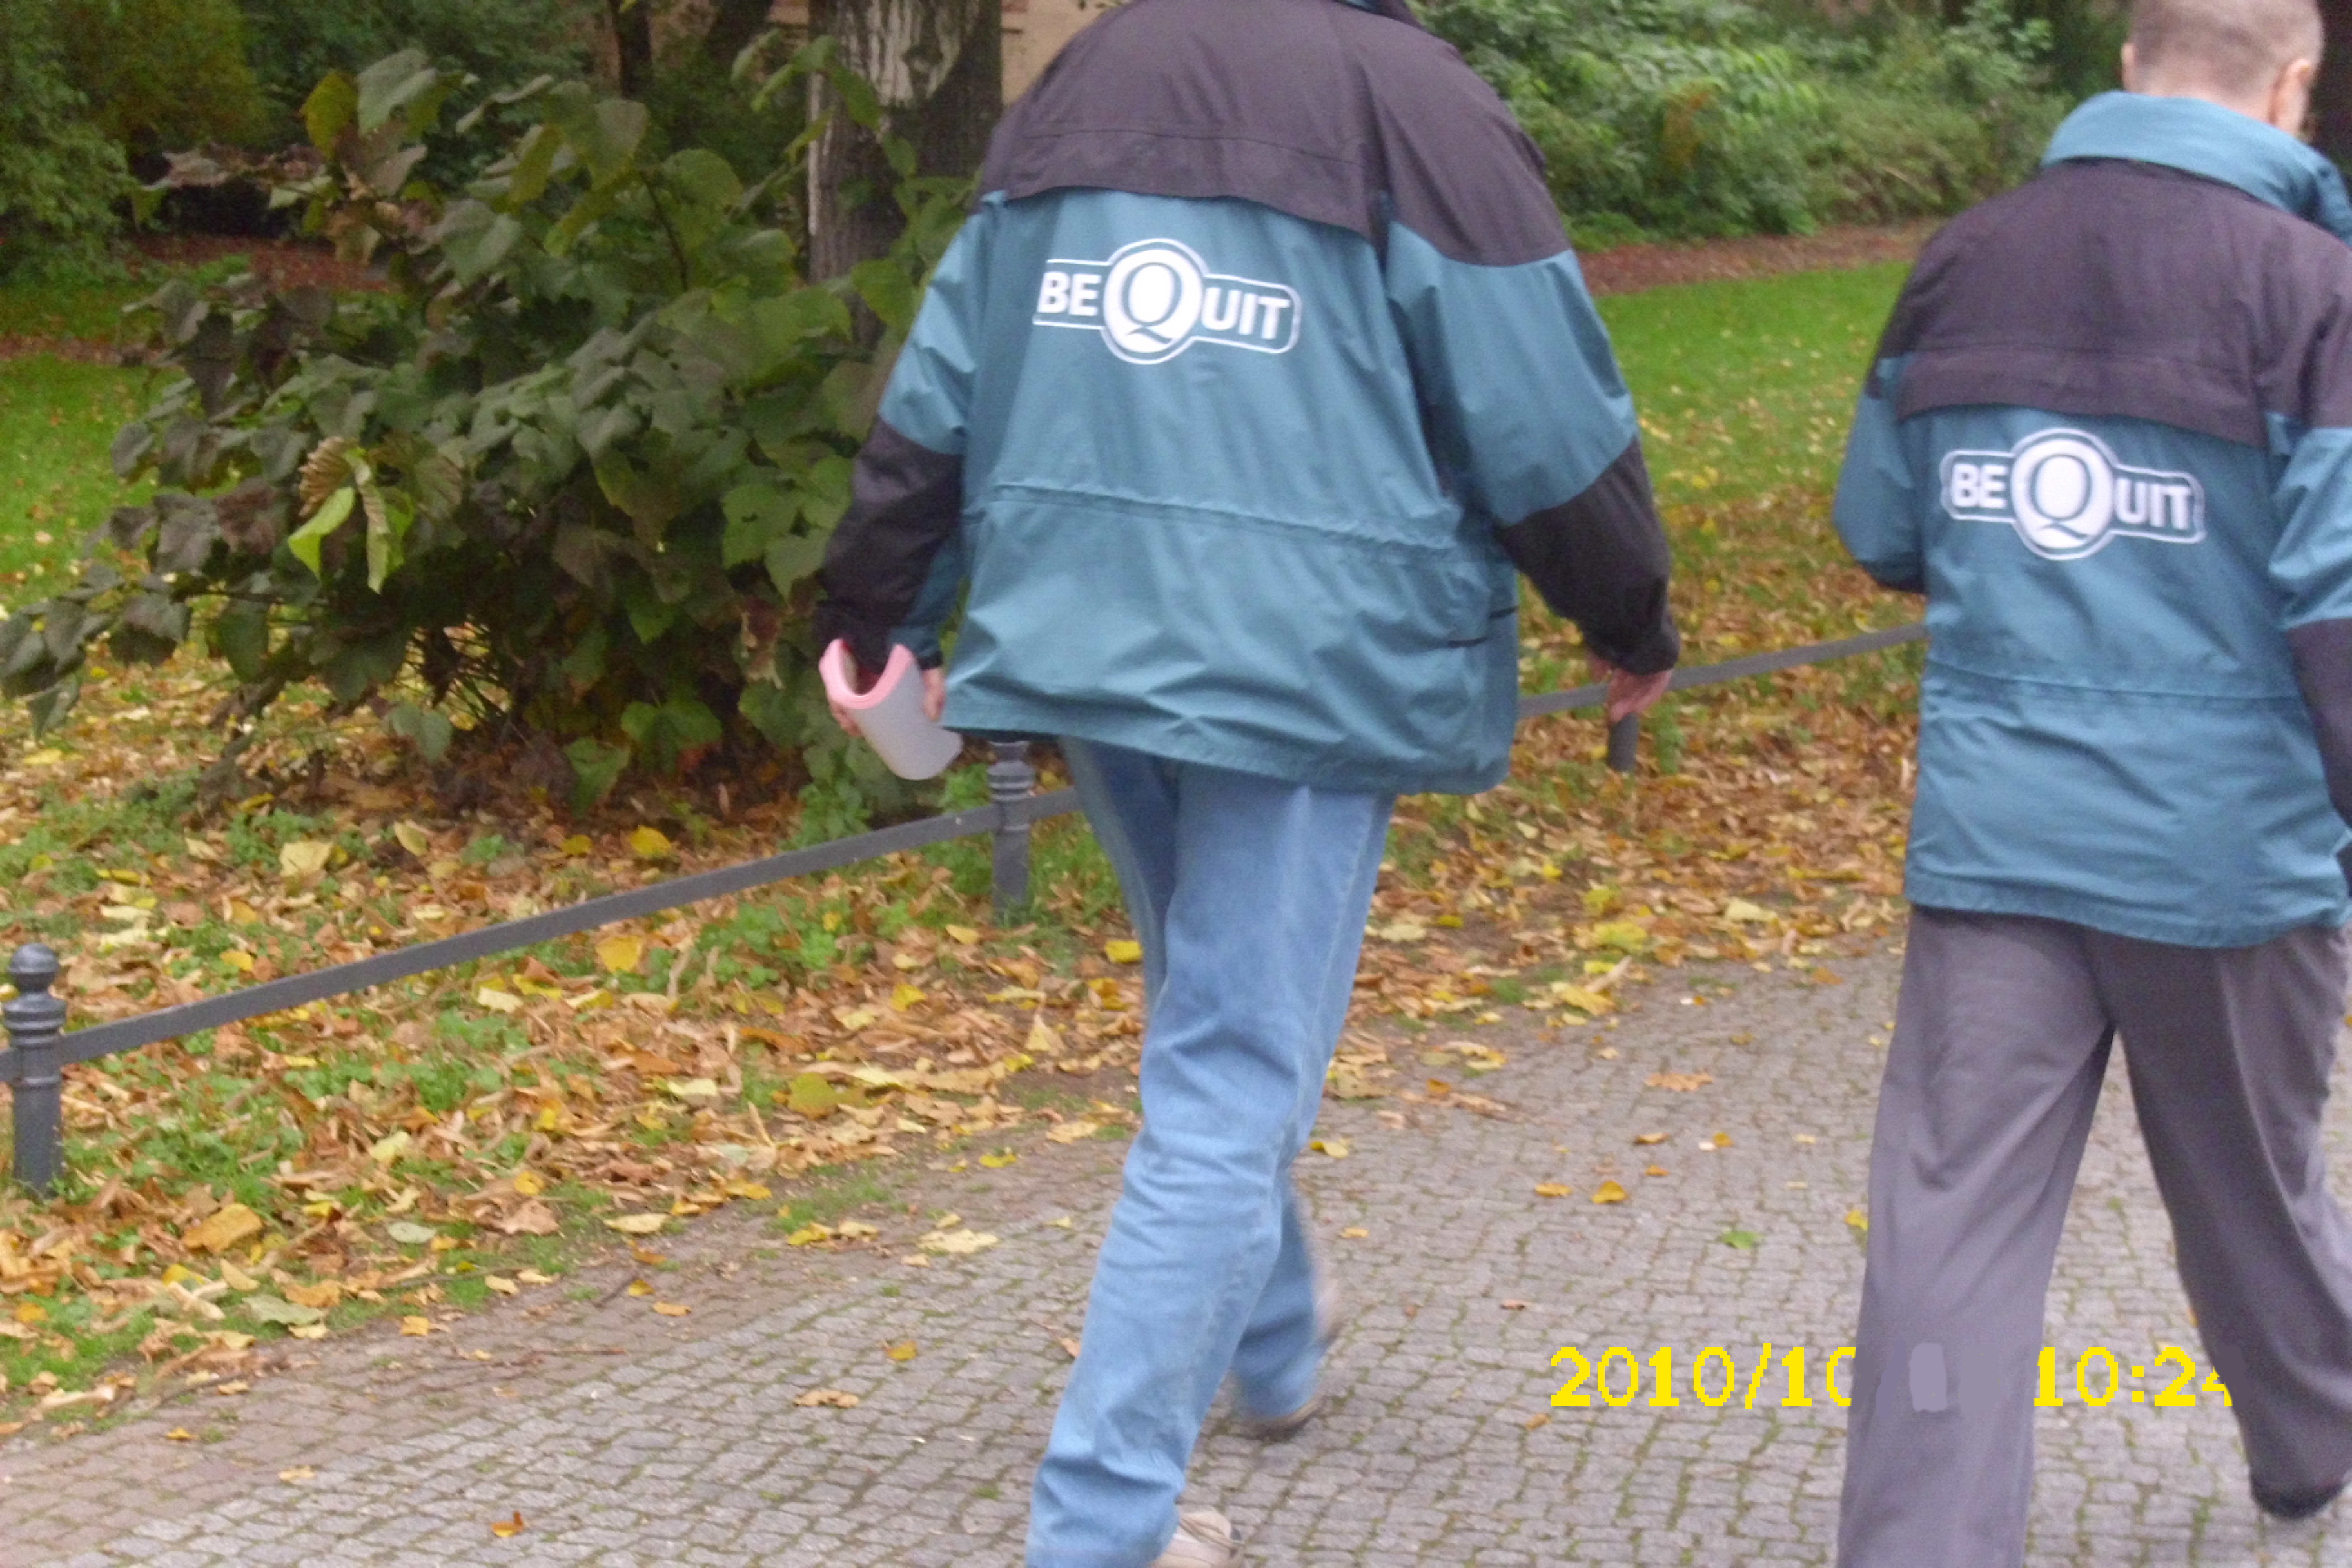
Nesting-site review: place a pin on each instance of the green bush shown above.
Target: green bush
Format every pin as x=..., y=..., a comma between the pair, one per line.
x=60, y=177
x=572, y=474
x=294, y=46
x=163, y=74
x=1702, y=116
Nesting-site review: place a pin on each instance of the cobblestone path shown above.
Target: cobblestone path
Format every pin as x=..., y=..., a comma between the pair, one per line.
x=622, y=1438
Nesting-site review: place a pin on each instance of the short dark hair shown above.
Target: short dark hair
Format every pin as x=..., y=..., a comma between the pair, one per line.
x=2238, y=46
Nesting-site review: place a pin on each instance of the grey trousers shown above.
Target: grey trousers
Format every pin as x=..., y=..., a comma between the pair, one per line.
x=2000, y=1043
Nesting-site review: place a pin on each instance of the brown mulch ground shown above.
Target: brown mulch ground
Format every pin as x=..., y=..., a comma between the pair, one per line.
x=284, y=263
x=1630, y=268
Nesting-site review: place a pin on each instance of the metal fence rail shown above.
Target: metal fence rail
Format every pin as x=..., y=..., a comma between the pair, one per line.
x=40, y=1048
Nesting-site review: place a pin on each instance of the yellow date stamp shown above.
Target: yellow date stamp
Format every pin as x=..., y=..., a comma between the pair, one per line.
x=1715, y=1378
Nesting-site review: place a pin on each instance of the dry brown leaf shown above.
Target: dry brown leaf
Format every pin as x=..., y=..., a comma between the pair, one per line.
x=833, y=1398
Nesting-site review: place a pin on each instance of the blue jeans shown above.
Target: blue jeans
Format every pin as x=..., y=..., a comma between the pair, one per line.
x=1250, y=896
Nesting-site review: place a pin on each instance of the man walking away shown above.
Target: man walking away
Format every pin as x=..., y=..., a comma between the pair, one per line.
x=1261, y=362
x=2109, y=435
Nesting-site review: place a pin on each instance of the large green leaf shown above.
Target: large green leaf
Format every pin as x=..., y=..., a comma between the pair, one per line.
x=307, y=540
x=330, y=110
x=595, y=769
x=758, y=514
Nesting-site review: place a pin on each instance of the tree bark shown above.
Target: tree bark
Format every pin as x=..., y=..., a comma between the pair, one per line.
x=633, y=45
x=2333, y=102
x=938, y=66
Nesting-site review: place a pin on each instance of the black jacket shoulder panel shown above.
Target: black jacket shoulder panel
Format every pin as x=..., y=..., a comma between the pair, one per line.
x=1330, y=113
x=2106, y=287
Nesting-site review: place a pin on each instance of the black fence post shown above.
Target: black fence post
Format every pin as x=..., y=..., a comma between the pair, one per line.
x=1011, y=777
x=1625, y=744
x=35, y=1020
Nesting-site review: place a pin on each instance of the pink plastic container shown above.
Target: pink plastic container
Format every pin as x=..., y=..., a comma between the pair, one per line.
x=890, y=713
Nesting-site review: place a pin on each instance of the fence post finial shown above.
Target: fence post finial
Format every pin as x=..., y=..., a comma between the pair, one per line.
x=1011, y=777
x=36, y=1021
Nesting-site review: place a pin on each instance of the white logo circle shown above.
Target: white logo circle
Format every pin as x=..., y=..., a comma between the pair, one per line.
x=2063, y=487
x=1151, y=300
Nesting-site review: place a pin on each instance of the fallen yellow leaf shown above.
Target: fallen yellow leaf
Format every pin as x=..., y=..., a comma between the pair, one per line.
x=1681, y=1082
x=578, y=843
x=1123, y=951
x=672, y=1309
x=222, y=1230
x=809, y=1235
x=833, y=1397
x=639, y=1288
x=529, y=1184
x=179, y=1434
x=1354, y=1233
x=1859, y=1219
x=903, y=1350
x=1609, y=1193
x=503, y=1285
x=1337, y=1147
x=960, y=1243
x=621, y=954
x=497, y=1001
x=304, y=857
x=508, y=1529
x=298, y=1473
x=1645, y=1139
x=1071, y=1132
x=32, y=1312
x=962, y=936
x=638, y=1224
x=415, y=1327
x=904, y=996
x=998, y=1161
x=1553, y=1190
x=308, y=1331
x=651, y=844
x=857, y=1230
x=1044, y=1042
x=413, y=839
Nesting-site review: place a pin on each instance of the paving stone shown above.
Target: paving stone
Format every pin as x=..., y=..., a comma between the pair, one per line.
x=1440, y=1446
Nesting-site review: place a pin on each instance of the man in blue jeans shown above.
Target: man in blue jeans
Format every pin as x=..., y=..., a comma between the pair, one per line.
x=1261, y=364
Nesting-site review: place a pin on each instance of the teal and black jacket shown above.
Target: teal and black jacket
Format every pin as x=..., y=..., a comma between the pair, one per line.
x=2109, y=435
x=1261, y=365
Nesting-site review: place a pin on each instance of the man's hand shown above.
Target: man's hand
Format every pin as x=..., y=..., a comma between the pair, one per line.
x=1628, y=693
x=935, y=699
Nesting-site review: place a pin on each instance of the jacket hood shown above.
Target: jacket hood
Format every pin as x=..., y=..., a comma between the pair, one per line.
x=2205, y=138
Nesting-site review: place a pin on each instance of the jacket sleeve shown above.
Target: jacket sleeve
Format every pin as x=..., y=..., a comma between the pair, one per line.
x=1526, y=410
x=894, y=564
x=2312, y=566
x=1878, y=506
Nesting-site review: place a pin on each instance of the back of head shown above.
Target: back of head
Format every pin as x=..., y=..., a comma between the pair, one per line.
x=2235, y=48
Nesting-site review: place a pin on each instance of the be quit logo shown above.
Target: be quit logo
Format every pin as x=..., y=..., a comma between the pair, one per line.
x=2067, y=496
x=1153, y=299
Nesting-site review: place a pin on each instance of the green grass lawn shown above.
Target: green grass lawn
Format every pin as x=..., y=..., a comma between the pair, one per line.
x=1747, y=388
x=57, y=419
x=91, y=312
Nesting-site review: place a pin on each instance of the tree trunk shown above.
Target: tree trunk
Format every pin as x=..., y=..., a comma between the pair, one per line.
x=2334, y=101
x=939, y=67
x=633, y=45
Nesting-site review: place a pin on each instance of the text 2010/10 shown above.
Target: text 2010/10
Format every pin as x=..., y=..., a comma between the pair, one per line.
x=2101, y=1378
